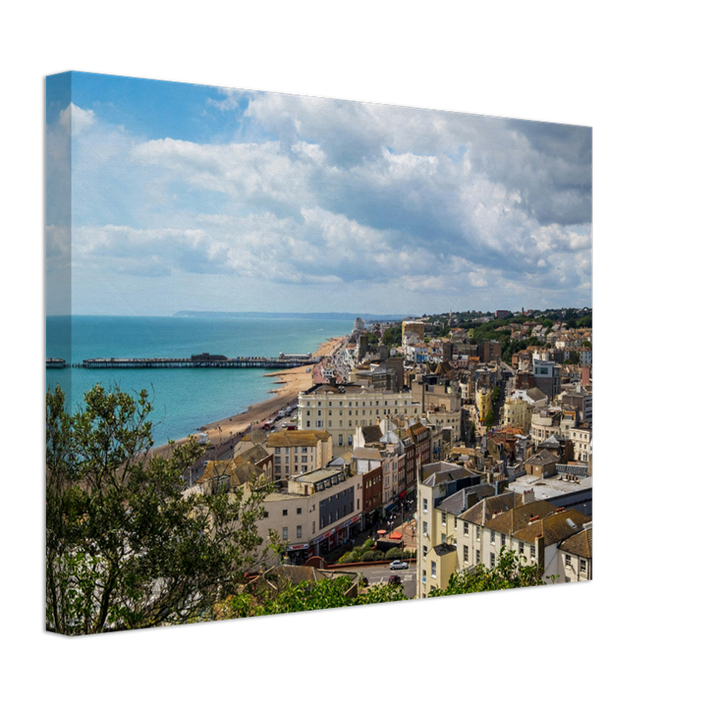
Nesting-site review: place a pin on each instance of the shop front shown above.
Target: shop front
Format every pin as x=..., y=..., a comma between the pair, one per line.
x=297, y=554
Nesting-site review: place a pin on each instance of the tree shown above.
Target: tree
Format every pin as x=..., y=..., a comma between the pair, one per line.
x=511, y=571
x=286, y=597
x=489, y=418
x=125, y=546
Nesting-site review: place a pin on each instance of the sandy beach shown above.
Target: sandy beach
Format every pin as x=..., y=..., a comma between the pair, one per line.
x=291, y=382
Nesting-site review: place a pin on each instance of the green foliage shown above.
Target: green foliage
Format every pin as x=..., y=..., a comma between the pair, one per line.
x=585, y=322
x=368, y=544
x=573, y=359
x=392, y=336
x=347, y=557
x=511, y=571
x=368, y=556
x=395, y=553
x=125, y=547
x=495, y=395
x=489, y=418
x=588, y=344
x=305, y=596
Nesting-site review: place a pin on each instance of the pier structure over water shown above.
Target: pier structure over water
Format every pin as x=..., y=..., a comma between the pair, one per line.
x=55, y=363
x=204, y=360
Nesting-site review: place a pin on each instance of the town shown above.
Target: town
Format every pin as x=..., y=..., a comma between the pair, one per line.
x=425, y=447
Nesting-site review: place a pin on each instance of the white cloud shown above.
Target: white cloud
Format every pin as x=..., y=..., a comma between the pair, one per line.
x=74, y=119
x=344, y=193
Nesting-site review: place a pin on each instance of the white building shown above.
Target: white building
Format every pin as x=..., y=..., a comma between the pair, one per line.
x=341, y=409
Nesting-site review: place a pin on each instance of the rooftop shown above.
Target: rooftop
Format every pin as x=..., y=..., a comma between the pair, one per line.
x=549, y=487
x=296, y=438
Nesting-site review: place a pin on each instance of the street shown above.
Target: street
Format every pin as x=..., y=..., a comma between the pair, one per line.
x=378, y=574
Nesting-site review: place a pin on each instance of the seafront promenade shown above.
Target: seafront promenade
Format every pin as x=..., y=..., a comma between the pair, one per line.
x=223, y=434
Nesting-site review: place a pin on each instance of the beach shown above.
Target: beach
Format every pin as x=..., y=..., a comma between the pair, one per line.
x=292, y=382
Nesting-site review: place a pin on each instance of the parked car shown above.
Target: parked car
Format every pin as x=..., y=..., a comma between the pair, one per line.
x=394, y=579
x=398, y=565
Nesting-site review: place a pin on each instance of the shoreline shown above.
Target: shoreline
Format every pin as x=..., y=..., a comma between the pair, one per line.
x=293, y=381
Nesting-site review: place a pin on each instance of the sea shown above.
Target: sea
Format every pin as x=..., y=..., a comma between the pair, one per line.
x=183, y=399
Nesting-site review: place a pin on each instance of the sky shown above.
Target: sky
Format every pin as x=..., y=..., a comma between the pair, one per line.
x=164, y=196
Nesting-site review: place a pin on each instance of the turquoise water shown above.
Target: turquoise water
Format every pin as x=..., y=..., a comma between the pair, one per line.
x=184, y=398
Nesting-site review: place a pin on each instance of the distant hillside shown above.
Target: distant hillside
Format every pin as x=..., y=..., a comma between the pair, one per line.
x=294, y=315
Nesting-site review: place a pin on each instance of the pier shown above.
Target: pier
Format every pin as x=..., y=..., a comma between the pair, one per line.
x=200, y=361
x=55, y=363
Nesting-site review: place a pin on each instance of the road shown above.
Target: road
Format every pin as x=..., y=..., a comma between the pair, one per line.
x=378, y=574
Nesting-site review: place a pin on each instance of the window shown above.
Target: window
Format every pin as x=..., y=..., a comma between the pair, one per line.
x=492, y=560
x=532, y=552
x=466, y=554
x=477, y=557
x=583, y=565
x=425, y=527
x=284, y=511
x=424, y=577
x=443, y=537
x=502, y=539
x=433, y=570
x=521, y=548
x=466, y=528
x=568, y=561
x=299, y=511
x=477, y=532
x=424, y=505
x=425, y=550
x=492, y=537
x=444, y=518
x=284, y=533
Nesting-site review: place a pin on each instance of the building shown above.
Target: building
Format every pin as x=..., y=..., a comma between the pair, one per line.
x=543, y=536
x=320, y=510
x=517, y=413
x=435, y=482
x=576, y=556
x=544, y=424
x=415, y=327
x=436, y=391
x=339, y=410
x=491, y=351
x=581, y=438
x=483, y=402
x=220, y=476
x=547, y=377
x=585, y=354
x=542, y=464
x=368, y=466
x=299, y=451
x=580, y=400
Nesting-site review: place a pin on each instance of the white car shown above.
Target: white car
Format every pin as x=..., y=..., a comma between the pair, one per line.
x=398, y=565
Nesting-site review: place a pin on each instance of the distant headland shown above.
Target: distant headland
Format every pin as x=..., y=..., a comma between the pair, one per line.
x=295, y=315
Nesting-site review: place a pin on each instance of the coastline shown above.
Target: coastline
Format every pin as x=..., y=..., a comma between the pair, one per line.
x=292, y=382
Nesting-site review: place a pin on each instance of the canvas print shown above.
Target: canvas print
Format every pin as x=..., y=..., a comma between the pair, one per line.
x=305, y=353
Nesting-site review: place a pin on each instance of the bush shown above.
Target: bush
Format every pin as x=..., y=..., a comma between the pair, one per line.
x=395, y=554
x=368, y=544
x=377, y=555
x=368, y=556
x=347, y=557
